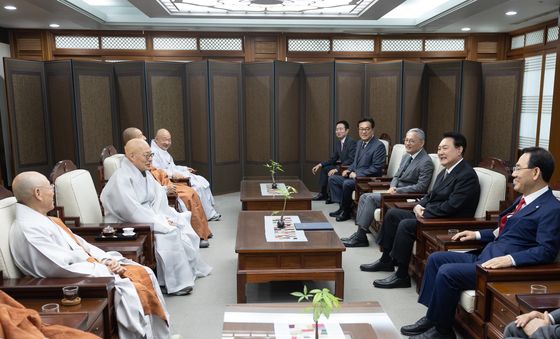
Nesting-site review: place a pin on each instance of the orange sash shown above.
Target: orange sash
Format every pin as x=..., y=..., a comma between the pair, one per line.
x=137, y=275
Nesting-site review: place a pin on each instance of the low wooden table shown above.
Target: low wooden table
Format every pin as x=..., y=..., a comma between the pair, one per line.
x=252, y=200
x=320, y=258
x=371, y=330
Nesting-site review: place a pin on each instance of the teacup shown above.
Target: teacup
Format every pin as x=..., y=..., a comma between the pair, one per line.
x=128, y=230
x=108, y=231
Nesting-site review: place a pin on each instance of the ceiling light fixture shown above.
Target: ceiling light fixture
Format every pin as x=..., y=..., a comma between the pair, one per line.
x=466, y=29
x=267, y=2
x=54, y=25
x=510, y=13
x=10, y=7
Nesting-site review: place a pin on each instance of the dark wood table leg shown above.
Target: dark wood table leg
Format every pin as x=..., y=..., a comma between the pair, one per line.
x=339, y=285
x=241, y=288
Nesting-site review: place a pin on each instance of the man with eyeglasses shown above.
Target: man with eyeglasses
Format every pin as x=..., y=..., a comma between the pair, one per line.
x=344, y=152
x=368, y=161
x=413, y=176
x=528, y=233
x=133, y=195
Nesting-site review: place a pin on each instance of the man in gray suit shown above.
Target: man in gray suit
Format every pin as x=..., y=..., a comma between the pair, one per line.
x=368, y=161
x=413, y=176
x=535, y=325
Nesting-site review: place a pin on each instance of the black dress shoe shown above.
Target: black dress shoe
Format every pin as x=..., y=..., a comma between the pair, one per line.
x=356, y=242
x=434, y=333
x=329, y=201
x=422, y=325
x=344, y=216
x=319, y=196
x=346, y=239
x=378, y=266
x=336, y=213
x=392, y=281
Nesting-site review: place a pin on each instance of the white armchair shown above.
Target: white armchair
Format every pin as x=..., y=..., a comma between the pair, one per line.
x=76, y=192
x=7, y=217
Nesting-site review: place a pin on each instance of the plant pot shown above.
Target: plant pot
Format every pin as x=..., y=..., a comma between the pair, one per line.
x=280, y=224
x=274, y=184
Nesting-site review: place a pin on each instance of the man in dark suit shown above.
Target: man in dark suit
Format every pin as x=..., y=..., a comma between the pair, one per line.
x=368, y=161
x=528, y=233
x=344, y=152
x=455, y=194
x=413, y=176
x=535, y=325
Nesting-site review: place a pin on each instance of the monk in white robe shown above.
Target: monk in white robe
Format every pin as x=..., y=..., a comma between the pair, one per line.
x=163, y=160
x=45, y=247
x=133, y=195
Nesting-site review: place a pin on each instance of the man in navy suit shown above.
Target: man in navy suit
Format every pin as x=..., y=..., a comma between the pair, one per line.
x=535, y=325
x=368, y=161
x=455, y=194
x=528, y=234
x=344, y=152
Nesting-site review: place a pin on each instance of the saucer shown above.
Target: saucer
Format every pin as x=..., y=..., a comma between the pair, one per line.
x=129, y=234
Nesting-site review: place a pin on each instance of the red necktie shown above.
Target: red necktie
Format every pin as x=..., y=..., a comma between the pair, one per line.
x=507, y=216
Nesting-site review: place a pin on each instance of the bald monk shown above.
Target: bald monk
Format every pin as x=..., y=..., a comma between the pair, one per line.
x=16, y=321
x=163, y=160
x=44, y=247
x=189, y=199
x=133, y=195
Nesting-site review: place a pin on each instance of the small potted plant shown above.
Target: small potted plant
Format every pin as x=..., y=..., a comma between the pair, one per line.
x=287, y=194
x=274, y=167
x=323, y=302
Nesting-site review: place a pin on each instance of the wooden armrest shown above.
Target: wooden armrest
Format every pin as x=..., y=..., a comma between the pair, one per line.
x=29, y=287
x=401, y=196
x=379, y=185
x=181, y=180
x=405, y=205
x=461, y=224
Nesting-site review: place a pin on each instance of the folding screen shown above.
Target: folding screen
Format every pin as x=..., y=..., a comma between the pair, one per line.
x=469, y=113
x=131, y=94
x=166, y=105
x=259, y=95
x=383, y=90
x=318, y=126
x=502, y=85
x=225, y=124
x=411, y=99
x=198, y=117
x=60, y=100
x=30, y=146
x=96, y=111
x=349, y=94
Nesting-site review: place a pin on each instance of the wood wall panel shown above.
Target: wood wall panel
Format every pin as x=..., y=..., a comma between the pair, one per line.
x=502, y=85
x=165, y=84
x=131, y=94
x=411, y=99
x=29, y=120
x=349, y=95
x=319, y=118
x=198, y=117
x=225, y=117
x=259, y=109
x=469, y=118
x=60, y=99
x=288, y=117
x=384, y=97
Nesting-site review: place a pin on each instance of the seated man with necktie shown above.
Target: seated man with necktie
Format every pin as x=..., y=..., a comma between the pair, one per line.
x=44, y=247
x=413, y=176
x=368, y=161
x=528, y=234
x=534, y=325
x=455, y=195
x=344, y=152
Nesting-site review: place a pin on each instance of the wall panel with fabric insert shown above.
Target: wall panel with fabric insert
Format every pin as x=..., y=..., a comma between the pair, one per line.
x=349, y=95
x=198, y=117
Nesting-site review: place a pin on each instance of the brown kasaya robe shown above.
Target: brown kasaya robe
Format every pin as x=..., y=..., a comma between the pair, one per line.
x=191, y=199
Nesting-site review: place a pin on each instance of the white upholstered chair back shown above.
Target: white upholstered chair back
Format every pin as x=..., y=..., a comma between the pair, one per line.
x=437, y=168
x=76, y=192
x=492, y=191
x=7, y=217
x=111, y=164
x=395, y=159
x=556, y=194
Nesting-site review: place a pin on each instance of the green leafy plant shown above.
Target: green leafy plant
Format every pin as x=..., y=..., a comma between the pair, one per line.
x=274, y=167
x=323, y=302
x=287, y=193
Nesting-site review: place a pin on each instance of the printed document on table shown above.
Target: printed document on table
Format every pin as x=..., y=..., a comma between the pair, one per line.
x=268, y=191
x=286, y=234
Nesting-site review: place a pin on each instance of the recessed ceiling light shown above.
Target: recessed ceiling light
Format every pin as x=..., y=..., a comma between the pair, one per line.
x=54, y=25
x=511, y=13
x=466, y=29
x=10, y=7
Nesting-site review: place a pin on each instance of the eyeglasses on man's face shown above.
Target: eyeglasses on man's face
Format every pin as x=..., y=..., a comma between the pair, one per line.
x=364, y=129
x=519, y=168
x=50, y=186
x=148, y=155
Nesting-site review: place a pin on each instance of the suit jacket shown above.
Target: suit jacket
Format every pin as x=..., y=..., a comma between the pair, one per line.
x=416, y=177
x=346, y=156
x=531, y=236
x=455, y=197
x=369, y=161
